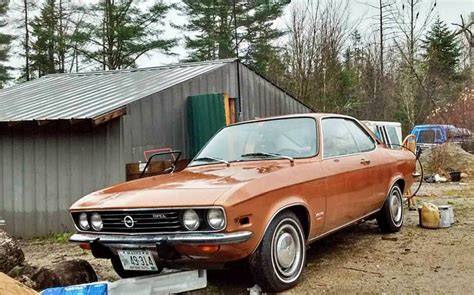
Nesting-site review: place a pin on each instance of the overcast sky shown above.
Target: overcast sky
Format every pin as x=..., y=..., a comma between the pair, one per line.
x=448, y=10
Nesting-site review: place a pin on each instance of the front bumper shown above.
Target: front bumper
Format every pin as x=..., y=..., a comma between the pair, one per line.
x=174, y=239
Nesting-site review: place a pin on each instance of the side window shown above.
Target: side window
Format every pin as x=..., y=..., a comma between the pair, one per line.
x=337, y=139
x=439, y=136
x=394, y=140
x=363, y=140
x=426, y=136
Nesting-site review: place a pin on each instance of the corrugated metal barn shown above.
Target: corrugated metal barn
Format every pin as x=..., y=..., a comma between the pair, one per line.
x=65, y=135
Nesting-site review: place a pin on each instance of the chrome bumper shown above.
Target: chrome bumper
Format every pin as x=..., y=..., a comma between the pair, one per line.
x=194, y=238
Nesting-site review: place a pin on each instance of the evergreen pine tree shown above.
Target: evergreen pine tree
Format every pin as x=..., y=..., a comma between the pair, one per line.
x=219, y=26
x=122, y=31
x=213, y=28
x=261, y=34
x=5, y=42
x=442, y=51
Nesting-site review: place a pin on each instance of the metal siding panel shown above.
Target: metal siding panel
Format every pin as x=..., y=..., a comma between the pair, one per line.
x=116, y=167
x=146, y=112
x=40, y=187
x=127, y=127
x=52, y=182
x=64, y=179
x=18, y=181
x=77, y=149
x=168, y=119
x=28, y=163
x=7, y=163
x=99, y=167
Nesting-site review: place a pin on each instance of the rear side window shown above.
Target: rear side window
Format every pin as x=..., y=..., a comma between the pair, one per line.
x=426, y=136
x=344, y=137
x=364, y=142
x=337, y=140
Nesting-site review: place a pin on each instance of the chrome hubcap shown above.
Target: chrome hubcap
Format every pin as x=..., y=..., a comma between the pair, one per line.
x=287, y=251
x=396, y=207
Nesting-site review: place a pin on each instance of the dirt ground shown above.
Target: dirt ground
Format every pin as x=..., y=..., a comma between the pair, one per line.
x=358, y=259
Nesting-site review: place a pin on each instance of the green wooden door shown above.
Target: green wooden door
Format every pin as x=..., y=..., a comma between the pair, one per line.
x=206, y=115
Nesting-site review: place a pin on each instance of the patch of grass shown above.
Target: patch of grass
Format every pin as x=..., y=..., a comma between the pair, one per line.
x=62, y=237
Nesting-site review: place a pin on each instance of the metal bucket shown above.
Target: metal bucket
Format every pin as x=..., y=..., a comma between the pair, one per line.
x=446, y=214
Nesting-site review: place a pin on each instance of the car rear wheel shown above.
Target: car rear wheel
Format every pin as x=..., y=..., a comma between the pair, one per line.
x=390, y=217
x=277, y=263
x=118, y=267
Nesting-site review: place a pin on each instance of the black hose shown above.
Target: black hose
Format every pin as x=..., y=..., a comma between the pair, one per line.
x=417, y=155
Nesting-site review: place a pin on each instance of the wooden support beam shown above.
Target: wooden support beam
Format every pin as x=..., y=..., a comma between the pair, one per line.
x=109, y=116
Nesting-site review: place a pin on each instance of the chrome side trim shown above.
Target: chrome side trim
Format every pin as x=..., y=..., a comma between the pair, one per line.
x=342, y=226
x=195, y=238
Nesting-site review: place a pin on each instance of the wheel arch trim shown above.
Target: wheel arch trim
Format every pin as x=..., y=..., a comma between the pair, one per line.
x=281, y=209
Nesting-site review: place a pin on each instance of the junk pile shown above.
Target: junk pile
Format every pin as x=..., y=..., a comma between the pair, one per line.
x=65, y=273
x=447, y=162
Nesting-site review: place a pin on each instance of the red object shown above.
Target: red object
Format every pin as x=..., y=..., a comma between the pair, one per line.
x=85, y=246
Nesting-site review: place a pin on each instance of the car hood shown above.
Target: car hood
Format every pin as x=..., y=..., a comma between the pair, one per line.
x=194, y=186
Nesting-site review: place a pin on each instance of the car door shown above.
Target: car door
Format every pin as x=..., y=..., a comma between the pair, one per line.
x=347, y=166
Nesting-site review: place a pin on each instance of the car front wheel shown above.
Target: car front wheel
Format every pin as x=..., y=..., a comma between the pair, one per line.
x=390, y=217
x=277, y=263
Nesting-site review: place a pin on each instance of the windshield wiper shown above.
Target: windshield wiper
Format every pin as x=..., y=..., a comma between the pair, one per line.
x=263, y=154
x=212, y=159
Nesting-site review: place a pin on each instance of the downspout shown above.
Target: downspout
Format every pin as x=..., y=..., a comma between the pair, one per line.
x=240, y=116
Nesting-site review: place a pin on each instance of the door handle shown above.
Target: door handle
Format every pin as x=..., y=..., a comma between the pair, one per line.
x=365, y=162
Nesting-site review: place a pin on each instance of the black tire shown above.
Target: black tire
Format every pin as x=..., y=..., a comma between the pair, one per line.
x=267, y=270
x=390, y=217
x=124, y=274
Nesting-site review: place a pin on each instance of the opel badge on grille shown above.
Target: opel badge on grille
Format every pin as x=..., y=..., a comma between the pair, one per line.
x=128, y=221
x=159, y=215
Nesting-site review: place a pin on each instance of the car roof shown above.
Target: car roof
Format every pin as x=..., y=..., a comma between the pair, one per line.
x=433, y=125
x=306, y=115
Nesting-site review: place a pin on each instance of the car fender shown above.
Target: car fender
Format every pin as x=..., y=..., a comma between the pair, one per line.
x=280, y=206
x=393, y=180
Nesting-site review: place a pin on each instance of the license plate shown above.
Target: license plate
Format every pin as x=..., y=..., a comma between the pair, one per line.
x=137, y=260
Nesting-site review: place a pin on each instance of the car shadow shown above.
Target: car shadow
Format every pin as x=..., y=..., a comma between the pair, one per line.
x=238, y=279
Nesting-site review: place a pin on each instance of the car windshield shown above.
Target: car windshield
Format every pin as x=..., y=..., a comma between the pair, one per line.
x=278, y=138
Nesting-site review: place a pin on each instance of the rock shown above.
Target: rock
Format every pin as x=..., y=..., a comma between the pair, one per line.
x=66, y=273
x=11, y=254
x=23, y=273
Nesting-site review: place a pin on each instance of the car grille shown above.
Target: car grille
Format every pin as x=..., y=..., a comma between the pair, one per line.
x=142, y=221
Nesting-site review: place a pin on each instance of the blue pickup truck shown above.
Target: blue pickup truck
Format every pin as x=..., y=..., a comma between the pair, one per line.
x=433, y=134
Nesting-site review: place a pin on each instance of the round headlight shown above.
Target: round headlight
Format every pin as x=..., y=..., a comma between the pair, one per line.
x=96, y=222
x=215, y=218
x=83, y=222
x=190, y=220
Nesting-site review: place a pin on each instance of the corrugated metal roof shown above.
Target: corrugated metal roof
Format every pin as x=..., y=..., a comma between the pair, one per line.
x=89, y=95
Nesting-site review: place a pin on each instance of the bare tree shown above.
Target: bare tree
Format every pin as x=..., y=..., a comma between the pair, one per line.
x=318, y=31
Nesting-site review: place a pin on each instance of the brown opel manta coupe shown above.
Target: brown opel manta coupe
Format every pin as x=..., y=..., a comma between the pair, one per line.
x=259, y=191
